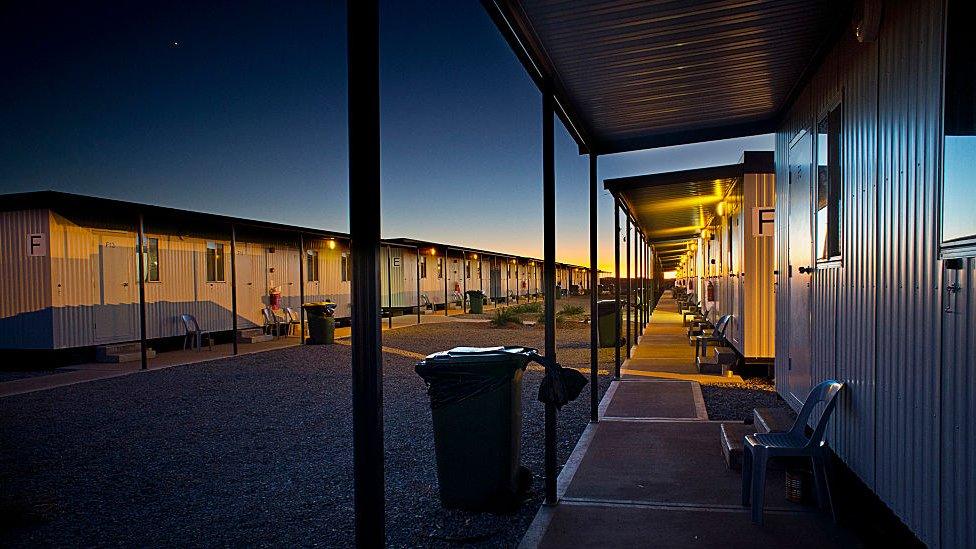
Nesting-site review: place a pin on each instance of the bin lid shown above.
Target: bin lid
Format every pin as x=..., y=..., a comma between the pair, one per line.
x=606, y=306
x=479, y=361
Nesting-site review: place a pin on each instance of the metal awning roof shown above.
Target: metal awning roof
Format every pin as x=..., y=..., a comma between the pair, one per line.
x=631, y=75
x=673, y=207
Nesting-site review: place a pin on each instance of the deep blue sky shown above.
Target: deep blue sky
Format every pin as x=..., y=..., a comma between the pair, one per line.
x=239, y=108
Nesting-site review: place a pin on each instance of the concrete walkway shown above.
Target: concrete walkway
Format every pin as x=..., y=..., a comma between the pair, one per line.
x=651, y=472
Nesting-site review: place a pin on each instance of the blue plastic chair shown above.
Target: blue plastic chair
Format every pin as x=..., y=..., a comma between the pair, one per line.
x=758, y=448
x=717, y=336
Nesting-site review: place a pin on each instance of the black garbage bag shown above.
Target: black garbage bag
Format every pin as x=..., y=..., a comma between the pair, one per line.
x=560, y=385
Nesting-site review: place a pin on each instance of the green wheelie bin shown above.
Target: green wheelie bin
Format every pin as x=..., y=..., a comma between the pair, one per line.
x=476, y=404
x=476, y=301
x=607, y=311
x=321, y=322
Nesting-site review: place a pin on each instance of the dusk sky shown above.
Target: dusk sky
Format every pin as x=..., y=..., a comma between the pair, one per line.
x=240, y=109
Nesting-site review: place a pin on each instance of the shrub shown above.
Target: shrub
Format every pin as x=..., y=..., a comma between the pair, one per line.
x=504, y=317
x=525, y=308
x=569, y=310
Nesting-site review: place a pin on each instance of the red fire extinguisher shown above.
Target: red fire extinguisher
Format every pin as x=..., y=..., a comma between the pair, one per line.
x=274, y=299
x=710, y=291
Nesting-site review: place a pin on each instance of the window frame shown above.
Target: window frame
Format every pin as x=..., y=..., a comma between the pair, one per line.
x=147, y=269
x=423, y=266
x=964, y=246
x=344, y=267
x=440, y=268
x=834, y=108
x=219, y=262
x=312, y=266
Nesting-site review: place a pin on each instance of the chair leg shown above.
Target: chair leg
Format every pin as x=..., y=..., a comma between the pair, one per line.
x=758, y=485
x=746, y=474
x=823, y=485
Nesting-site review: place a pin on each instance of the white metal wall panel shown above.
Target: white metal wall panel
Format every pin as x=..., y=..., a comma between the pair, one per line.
x=876, y=315
x=25, y=282
x=72, y=254
x=756, y=286
x=959, y=409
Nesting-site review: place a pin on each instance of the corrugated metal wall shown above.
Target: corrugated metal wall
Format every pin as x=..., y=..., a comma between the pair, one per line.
x=25, y=282
x=959, y=409
x=877, y=314
x=755, y=281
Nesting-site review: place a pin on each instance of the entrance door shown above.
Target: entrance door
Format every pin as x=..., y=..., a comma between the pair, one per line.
x=252, y=268
x=800, y=263
x=117, y=306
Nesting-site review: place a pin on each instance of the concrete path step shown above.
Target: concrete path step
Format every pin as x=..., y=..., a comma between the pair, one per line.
x=712, y=365
x=121, y=352
x=726, y=355
x=765, y=420
x=731, y=436
x=253, y=335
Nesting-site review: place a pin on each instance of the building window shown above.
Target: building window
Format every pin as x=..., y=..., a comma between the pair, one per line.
x=215, y=262
x=423, y=266
x=344, y=268
x=151, y=257
x=830, y=188
x=312, y=265
x=467, y=268
x=440, y=267
x=959, y=144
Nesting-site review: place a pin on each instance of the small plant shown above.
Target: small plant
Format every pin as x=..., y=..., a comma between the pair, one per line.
x=505, y=317
x=569, y=310
x=525, y=308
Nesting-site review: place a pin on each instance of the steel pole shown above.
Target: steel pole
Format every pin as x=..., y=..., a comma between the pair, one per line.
x=549, y=256
x=389, y=285
x=446, y=262
x=419, y=305
x=364, y=229
x=233, y=286
x=594, y=312
x=302, y=258
x=630, y=287
x=616, y=286
x=143, y=345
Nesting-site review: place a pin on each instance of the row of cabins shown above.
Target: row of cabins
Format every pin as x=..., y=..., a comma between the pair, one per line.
x=69, y=272
x=870, y=276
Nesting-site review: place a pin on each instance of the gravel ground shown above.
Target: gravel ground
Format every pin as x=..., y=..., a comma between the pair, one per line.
x=572, y=340
x=735, y=401
x=9, y=375
x=253, y=450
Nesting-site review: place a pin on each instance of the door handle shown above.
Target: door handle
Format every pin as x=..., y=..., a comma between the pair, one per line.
x=806, y=270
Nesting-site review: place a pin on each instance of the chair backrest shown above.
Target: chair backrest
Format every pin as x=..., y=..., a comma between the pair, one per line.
x=721, y=326
x=425, y=300
x=826, y=392
x=290, y=315
x=269, y=317
x=190, y=323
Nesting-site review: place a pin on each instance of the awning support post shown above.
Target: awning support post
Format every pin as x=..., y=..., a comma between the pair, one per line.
x=364, y=230
x=446, y=265
x=630, y=288
x=549, y=256
x=302, y=259
x=389, y=285
x=143, y=345
x=594, y=282
x=419, y=303
x=233, y=287
x=616, y=285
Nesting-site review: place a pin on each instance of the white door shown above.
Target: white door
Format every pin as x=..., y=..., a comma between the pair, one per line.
x=798, y=271
x=117, y=306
